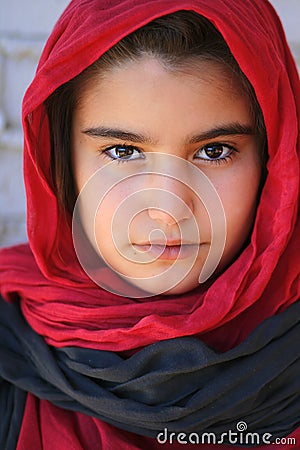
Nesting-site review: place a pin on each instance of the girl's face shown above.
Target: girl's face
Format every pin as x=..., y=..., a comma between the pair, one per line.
x=150, y=131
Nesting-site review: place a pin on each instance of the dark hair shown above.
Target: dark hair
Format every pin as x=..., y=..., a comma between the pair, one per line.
x=178, y=40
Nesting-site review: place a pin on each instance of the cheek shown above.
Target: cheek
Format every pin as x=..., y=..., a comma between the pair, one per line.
x=239, y=200
x=107, y=213
x=112, y=221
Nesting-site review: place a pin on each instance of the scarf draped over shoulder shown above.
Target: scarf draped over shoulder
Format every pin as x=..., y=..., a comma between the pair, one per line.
x=69, y=314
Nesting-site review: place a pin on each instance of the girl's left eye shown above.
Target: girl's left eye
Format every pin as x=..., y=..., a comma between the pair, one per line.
x=123, y=152
x=214, y=152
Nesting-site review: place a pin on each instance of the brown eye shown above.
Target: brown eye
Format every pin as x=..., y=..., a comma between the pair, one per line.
x=123, y=152
x=215, y=151
x=212, y=152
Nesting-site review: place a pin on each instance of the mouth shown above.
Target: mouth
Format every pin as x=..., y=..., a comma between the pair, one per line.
x=168, y=251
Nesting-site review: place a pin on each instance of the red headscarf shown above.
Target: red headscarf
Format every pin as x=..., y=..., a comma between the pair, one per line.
x=58, y=300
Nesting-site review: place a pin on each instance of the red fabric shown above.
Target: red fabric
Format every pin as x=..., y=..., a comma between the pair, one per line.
x=58, y=300
x=56, y=295
x=46, y=427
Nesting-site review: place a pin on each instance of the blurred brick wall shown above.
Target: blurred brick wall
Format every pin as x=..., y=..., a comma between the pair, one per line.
x=24, y=27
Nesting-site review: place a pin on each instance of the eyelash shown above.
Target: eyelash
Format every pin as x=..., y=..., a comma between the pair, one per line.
x=217, y=161
x=104, y=153
x=127, y=147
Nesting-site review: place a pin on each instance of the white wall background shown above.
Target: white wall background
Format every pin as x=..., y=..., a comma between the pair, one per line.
x=24, y=27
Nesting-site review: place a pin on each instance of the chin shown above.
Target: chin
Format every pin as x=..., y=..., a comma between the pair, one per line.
x=163, y=286
x=181, y=288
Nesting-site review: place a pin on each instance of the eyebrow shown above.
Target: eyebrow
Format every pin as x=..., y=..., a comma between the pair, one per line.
x=116, y=133
x=231, y=129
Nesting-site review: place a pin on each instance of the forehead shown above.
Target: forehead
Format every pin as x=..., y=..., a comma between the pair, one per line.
x=196, y=68
x=146, y=92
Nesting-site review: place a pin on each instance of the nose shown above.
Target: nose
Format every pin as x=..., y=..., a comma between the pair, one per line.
x=161, y=216
x=171, y=202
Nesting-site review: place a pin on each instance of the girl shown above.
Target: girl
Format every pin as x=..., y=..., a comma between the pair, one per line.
x=156, y=303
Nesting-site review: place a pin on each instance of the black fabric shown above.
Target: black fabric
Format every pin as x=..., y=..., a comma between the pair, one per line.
x=12, y=402
x=178, y=384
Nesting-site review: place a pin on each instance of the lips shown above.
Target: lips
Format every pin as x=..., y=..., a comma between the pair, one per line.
x=168, y=251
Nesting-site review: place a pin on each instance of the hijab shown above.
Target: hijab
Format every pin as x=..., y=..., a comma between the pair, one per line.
x=55, y=294
x=57, y=299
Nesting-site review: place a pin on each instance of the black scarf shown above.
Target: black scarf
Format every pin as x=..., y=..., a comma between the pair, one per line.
x=179, y=384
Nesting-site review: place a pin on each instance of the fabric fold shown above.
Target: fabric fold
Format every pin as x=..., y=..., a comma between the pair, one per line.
x=178, y=384
x=56, y=295
x=203, y=360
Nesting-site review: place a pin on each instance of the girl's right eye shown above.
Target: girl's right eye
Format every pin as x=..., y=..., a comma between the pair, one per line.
x=123, y=152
